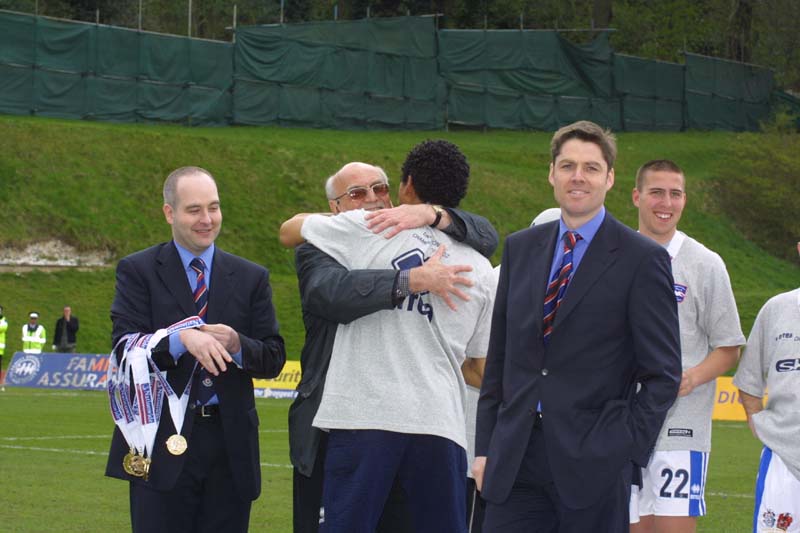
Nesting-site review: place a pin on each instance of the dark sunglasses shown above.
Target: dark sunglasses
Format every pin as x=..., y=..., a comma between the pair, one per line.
x=359, y=193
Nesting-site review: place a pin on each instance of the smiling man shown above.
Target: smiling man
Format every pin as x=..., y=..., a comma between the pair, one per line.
x=584, y=310
x=204, y=470
x=673, y=483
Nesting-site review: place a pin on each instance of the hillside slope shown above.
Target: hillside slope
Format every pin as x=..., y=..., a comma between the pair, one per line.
x=98, y=187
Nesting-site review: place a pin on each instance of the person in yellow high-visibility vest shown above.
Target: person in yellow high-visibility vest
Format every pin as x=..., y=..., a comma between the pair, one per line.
x=34, y=335
x=3, y=328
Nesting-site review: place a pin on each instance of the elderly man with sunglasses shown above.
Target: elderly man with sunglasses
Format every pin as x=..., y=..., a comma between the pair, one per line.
x=332, y=295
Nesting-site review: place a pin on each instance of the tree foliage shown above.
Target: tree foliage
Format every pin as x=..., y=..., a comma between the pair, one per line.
x=759, y=31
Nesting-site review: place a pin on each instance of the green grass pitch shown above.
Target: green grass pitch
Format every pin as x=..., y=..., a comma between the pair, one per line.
x=53, y=447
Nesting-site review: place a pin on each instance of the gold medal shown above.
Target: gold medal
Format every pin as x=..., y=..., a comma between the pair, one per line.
x=139, y=466
x=176, y=444
x=126, y=463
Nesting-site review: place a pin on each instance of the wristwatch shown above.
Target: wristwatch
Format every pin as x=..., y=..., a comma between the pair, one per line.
x=439, y=212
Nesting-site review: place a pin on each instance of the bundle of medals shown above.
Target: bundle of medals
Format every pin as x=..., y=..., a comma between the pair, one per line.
x=136, y=391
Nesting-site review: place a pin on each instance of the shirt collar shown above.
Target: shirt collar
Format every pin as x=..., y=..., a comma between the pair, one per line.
x=588, y=230
x=186, y=256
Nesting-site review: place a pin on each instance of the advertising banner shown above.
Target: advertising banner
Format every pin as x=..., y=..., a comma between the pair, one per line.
x=58, y=370
x=281, y=386
x=88, y=372
x=727, y=404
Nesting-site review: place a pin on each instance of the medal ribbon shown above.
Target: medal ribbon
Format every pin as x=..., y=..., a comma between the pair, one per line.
x=138, y=420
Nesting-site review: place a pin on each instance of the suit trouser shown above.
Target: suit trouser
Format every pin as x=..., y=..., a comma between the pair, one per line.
x=307, y=499
x=204, y=498
x=534, y=505
x=476, y=508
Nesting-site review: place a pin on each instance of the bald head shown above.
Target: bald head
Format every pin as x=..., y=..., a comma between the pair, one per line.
x=358, y=186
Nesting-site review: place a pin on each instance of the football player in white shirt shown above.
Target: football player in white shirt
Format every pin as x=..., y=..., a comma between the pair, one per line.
x=673, y=483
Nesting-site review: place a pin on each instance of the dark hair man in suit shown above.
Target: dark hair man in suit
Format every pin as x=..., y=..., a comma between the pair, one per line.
x=585, y=311
x=209, y=483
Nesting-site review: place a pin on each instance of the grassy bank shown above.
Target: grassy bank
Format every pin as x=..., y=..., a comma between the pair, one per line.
x=97, y=186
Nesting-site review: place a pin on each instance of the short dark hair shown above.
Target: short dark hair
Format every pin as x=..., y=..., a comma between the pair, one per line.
x=587, y=132
x=657, y=165
x=440, y=172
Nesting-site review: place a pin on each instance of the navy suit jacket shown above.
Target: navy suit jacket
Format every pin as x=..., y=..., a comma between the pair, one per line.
x=153, y=292
x=617, y=326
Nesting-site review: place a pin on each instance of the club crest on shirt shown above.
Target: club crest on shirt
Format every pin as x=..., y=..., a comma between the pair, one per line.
x=775, y=524
x=784, y=521
x=768, y=518
x=680, y=292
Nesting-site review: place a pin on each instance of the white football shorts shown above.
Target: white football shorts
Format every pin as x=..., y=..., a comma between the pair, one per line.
x=777, y=497
x=673, y=484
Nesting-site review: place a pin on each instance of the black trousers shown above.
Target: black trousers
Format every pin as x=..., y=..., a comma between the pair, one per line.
x=204, y=498
x=476, y=508
x=534, y=505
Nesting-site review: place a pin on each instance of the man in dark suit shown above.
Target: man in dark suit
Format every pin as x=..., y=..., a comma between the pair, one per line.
x=332, y=295
x=584, y=357
x=210, y=485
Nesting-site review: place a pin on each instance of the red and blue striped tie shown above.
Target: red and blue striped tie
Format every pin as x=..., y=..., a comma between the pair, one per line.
x=206, y=389
x=558, y=285
x=201, y=290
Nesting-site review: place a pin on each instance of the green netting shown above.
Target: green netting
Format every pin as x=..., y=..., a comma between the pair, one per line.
x=373, y=73
x=59, y=94
x=117, y=52
x=76, y=70
x=526, y=79
x=395, y=73
x=527, y=62
x=724, y=94
x=652, y=93
x=255, y=103
x=17, y=39
x=651, y=114
x=16, y=85
x=402, y=36
x=113, y=99
x=164, y=58
x=64, y=45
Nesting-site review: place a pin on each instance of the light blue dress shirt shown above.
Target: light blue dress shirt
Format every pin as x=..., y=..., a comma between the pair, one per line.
x=587, y=233
x=176, y=347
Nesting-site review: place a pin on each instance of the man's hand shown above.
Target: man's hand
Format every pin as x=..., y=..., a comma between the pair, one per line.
x=478, y=466
x=440, y=279
x=402, y=217
x=752, y=427
x=208, y=351
x=290, y=232
x=226, y=335
x=688, y=383
x=752, y=405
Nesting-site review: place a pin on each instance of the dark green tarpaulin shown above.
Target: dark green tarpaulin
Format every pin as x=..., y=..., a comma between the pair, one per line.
x=652, y=93
x=394, y=73
x=373, y=73
x=526, y=79
x=723, y=94
x=75, y=70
